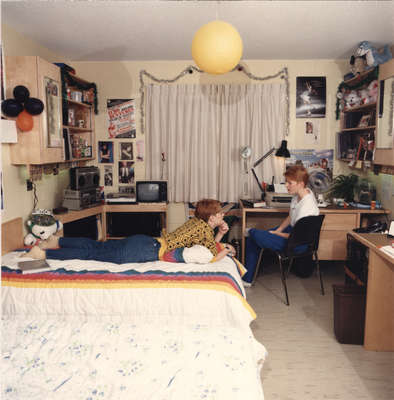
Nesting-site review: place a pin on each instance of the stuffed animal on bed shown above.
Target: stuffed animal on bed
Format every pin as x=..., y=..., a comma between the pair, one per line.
x=373, y=56
x=41, y=225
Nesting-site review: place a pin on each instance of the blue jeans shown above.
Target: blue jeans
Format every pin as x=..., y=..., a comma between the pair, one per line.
x=133, y=249
x=257, y=240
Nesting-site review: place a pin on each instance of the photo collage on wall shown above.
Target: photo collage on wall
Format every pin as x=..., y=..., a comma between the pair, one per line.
x=121, y=151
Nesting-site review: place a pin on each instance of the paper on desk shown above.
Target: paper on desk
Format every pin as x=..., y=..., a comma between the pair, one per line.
x=280, y=188
x=388, y=250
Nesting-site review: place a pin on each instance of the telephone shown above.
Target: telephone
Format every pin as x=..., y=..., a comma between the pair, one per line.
x=377, y=227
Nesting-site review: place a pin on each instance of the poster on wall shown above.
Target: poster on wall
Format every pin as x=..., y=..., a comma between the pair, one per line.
x=312, y=160
x=311, y=97
x=108, y=175
x=121, y=118
x=126, y=172
x=126, y=151
x=105, y=152
x=312, y=132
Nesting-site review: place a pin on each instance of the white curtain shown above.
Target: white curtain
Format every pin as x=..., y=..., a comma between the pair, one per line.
x=201, y=130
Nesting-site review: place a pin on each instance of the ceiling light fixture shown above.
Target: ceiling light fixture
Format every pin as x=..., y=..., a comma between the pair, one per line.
x=217, y=47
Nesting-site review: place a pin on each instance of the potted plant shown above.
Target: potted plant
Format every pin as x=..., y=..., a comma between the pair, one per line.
x=343, y=187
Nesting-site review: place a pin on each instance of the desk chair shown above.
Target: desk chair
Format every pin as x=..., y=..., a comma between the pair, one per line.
x=306, y=233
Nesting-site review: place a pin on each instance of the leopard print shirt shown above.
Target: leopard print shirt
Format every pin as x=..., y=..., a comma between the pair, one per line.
x=194, y=231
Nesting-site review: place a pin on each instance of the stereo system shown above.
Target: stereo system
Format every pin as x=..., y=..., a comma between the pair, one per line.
x=79, y=199
x=84, y=178
x=84, y=188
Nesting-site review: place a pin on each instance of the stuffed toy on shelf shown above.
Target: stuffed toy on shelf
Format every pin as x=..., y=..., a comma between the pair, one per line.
x=41, y=225
x=373, y=56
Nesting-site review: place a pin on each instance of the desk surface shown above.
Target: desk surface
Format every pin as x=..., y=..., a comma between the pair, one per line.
x=374, y=241
x=323, y=210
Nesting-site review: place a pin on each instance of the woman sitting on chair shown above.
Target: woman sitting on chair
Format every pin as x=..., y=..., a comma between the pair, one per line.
x=303, y=204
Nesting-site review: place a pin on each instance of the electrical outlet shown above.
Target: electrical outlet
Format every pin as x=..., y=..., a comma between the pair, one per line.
x=29, y=185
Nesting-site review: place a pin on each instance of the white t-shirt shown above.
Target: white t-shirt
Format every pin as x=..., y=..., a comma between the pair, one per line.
x=306, y=207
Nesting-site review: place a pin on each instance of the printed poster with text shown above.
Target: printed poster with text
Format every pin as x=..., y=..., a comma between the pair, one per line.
x=313, y=160
x=121, y=118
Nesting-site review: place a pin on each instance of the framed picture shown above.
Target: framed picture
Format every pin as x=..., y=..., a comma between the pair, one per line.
x=106, y=154
x=311, y=97
x=126, y=151
x=88, y=151
x=364, y=121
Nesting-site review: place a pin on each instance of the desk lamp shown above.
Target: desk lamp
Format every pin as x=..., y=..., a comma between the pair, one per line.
x=281, y=152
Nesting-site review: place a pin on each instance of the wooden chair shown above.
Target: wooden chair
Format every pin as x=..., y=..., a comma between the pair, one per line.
x=303, y=241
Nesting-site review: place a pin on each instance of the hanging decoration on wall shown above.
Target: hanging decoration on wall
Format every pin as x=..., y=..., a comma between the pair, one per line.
x=283, y=74
x=217, y=47
x=22, y=107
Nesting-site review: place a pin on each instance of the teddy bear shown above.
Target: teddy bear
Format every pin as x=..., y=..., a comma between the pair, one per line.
x=364, y=96
x=358, y=64
x=373, y=89
x=41, y=225
x=352, y=99
x=373, y=56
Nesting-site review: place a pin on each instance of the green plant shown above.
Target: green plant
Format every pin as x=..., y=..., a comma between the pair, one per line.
x=343, y=187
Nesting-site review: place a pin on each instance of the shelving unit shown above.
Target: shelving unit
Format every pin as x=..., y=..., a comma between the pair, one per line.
x=78, y=120
x=356, y=139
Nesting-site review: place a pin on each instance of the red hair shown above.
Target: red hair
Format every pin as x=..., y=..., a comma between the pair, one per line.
x=297, y=173
x=207, y=207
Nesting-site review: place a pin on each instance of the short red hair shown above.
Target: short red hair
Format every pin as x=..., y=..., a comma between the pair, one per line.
x=207, y=207
x=297, y=173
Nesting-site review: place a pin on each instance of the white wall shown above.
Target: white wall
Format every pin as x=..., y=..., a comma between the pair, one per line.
x=121, y=80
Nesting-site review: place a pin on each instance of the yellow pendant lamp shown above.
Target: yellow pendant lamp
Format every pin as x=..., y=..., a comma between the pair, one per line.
x=217, y=47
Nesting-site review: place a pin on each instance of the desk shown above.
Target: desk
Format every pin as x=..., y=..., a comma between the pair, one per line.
x=379, y=313
x=102, y=209
x=337, y=222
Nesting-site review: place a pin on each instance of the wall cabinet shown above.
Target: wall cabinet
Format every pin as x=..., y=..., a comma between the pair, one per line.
x=44, y=143
x=384, y=154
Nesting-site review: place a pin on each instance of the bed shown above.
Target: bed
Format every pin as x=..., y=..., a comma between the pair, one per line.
x=89, y=330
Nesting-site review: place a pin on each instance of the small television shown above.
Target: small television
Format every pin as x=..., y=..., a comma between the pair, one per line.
x=151, y=191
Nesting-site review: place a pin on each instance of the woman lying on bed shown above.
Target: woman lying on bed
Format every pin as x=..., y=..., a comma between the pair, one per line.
x=198, y=230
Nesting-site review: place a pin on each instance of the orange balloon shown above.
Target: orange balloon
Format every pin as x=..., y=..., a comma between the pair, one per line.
x=24, y=121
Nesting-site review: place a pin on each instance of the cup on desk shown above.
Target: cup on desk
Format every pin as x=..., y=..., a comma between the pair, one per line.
x=373, y=205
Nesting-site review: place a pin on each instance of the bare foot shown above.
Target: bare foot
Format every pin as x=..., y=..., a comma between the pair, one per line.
x=51, y=243
x=36, y=253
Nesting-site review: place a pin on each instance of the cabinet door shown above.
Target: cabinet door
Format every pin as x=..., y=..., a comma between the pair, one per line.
x=32, y=146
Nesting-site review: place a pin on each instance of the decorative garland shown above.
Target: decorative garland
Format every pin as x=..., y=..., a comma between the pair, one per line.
x=190, y=69
x=67, y=78
x=343, y=87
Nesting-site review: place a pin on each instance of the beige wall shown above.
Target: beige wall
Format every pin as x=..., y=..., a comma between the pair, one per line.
x=121, y=80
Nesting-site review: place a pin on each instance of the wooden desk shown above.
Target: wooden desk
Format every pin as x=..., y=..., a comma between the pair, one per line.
x=337, y=222
x=379, y=314
x=102, y=209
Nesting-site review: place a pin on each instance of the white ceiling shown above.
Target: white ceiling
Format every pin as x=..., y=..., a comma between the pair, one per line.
x=101, y=30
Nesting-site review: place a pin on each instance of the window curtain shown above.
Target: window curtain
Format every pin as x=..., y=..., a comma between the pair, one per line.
x=200, y=130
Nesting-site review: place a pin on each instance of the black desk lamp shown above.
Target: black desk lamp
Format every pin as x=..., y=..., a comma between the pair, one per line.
x=281, y=152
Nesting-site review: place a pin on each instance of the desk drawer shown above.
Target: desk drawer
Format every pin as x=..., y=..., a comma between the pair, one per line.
x=332, y=245
x=339, y=222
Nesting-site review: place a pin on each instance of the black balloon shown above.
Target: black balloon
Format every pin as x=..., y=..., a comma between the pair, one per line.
x=11, y=108
x=21, y=93
x=34, y=106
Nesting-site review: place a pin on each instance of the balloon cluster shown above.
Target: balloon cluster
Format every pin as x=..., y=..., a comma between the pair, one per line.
x=23, y=107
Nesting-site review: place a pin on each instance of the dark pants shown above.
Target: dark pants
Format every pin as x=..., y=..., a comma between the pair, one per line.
x=257, y=240
x=133, y=249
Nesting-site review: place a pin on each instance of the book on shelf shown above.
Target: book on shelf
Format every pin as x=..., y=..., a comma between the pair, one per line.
x=253, y=203
x=30, y=267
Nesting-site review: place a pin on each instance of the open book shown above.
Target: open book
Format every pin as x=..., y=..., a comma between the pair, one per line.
x=30, y=267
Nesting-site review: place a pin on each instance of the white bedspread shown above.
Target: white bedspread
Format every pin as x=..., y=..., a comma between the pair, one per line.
x=154, y=331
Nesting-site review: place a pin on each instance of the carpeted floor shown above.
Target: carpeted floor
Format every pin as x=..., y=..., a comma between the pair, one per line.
x=305, y=361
